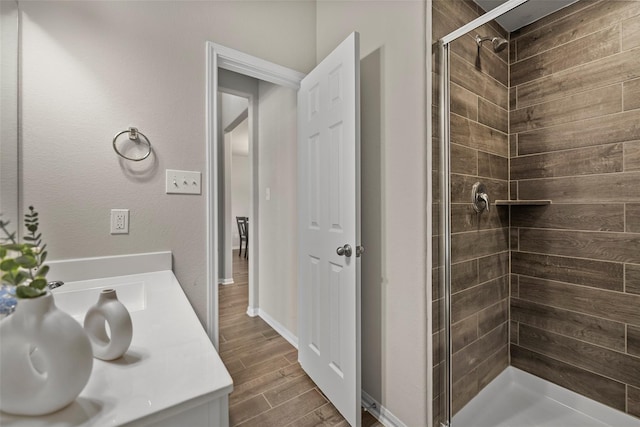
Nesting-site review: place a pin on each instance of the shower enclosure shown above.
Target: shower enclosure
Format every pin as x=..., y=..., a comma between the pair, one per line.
x=536, y=281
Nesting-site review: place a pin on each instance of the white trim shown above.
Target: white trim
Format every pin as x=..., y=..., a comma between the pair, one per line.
x=223, y=57
x=73, y=270
x=225, y=282
x=489, y=16
x=382, y=414
x=253, y=311
x=279, y=328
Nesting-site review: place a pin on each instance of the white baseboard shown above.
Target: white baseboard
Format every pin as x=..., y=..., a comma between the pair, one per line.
x=277, y=326
x=381, y=413
x=253, y=311
x=225, y=281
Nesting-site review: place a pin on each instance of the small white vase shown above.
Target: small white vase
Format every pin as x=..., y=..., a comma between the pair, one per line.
x=46, y=358
x=111, y=311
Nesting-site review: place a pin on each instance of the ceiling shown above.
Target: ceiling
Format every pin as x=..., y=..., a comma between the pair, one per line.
x=526, y=13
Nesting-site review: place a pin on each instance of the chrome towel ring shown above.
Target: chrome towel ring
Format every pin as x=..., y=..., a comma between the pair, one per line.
x=134, y=135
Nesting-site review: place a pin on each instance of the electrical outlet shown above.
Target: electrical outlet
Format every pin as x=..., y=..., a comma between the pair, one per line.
x=119, y=221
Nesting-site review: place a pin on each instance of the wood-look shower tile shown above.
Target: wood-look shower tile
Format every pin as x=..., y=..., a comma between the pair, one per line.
x=463, y=102
x=493, y=116
x=463, y=390
x=493, y=166
x=461, y=186
x=595, y=330
x=464, y=160
x=586, y=105
x=514, y=285
x=471, y=301
x=464, y=332
x=588, y=217
x=632, y=156
x=493, y=266
x=464, y=275
x=466, y=360
x=613, y=69
x=630, y=33
x=597, y=274
x=633, y=401
x=493, y=366
x=483, y=60
x=466, y=75
x=586, y=49
x=438, y=347
x=465, y=218
x=605, y=246
x=480, y=137
x=632, y=279
x=616, y=306
x=513, y=332
x=566, y=375
x=575, y=27
x=492, y=316
x=631, y=94
x=478, y=244
x=601, y=130
x=633, y=340
x=582, y=161
x=615, y=365
x=584, y=189
x=632, y=213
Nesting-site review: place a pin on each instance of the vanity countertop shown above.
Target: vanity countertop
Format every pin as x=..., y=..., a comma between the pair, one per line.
x=171, y=365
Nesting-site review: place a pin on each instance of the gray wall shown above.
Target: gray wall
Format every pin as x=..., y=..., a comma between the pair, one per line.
x=91, y=69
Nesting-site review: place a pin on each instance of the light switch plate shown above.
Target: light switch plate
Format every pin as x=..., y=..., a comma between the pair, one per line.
x=183, y=182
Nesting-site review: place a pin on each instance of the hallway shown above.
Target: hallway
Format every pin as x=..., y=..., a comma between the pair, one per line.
x=270, y=387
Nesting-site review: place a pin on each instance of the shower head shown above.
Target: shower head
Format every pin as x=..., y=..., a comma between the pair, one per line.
x=498, y=42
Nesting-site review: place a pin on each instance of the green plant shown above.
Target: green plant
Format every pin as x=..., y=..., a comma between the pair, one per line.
x=22, y=264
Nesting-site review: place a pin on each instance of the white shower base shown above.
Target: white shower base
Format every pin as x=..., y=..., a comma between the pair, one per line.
x=518, y=399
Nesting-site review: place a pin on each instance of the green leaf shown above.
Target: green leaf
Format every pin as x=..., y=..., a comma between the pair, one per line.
x=14, y=278
x=8, y=264
x=28, y=292
x=3, y=252
x=43, y=257
x=38, y=283
x=14, y=246
x=27, y=261
x=42, y=272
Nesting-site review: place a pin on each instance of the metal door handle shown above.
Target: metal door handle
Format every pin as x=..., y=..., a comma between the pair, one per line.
x=344, y=250
x=359, y=250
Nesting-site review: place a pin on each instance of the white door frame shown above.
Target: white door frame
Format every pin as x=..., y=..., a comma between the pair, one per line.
x=230, y=59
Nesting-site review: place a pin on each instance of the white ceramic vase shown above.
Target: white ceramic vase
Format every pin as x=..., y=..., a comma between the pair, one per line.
x=46, y=358
x=109, y=310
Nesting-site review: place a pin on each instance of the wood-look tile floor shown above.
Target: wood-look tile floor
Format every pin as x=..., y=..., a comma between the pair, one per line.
x=270, y=387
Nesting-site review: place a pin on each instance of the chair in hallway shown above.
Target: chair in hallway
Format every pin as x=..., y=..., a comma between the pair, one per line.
x=243, y=232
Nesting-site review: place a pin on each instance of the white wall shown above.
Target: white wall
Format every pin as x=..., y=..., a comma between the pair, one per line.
x=394, y=182
x=278, y=243
x=90, y=70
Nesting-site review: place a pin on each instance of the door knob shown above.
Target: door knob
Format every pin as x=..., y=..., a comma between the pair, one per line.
x=345, y=250
x=359, y=250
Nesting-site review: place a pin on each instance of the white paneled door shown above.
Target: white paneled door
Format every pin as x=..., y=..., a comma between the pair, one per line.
x=329, y=227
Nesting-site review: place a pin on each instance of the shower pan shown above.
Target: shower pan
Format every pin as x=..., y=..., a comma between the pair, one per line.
x=536, y=280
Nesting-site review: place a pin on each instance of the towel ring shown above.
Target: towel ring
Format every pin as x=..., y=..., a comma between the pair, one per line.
x=134, y=135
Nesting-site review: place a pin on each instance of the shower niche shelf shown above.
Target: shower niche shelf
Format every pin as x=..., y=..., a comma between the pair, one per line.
x=522, y=202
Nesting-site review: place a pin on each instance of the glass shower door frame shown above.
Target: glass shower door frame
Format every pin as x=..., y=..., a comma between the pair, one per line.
x=445, y=185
